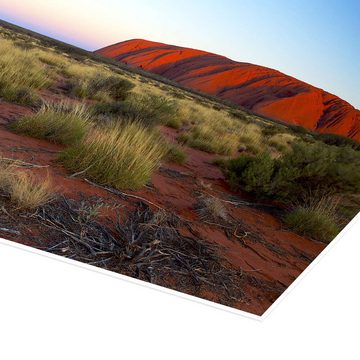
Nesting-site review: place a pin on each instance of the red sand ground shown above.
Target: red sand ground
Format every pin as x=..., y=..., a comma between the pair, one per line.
x=263, y=90
x=273, y=255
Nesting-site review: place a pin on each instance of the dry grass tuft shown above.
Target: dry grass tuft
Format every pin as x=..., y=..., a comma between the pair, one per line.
x=23, y=190
x=62, y=123
x=83, y=71
x=217, y=131
x=315, y=218
x=252, y=138
x=52, y=58
x=208, y=138
x=97, y=83
x=282, y=142
x=21, y=72
x=123, y=156
x=210, y=130
x=212, y=209
x=176, y=154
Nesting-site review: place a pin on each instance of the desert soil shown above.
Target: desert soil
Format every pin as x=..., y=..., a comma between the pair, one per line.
x=260, y=246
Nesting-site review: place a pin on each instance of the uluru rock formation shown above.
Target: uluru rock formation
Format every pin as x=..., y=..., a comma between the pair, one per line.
x=263, y=90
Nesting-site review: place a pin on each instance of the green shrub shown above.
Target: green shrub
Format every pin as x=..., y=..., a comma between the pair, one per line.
x=297, y=129
x=308, y=167
x=338, y=140
x=252, y=173
x=304, y=176
x=349, y=207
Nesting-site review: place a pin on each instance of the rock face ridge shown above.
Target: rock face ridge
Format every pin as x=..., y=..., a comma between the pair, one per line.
x=266, y=91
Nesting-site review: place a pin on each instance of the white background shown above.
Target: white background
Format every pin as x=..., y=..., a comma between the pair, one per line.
x=54, y=310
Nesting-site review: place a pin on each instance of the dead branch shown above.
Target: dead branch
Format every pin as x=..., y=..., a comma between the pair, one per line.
x=122, y=194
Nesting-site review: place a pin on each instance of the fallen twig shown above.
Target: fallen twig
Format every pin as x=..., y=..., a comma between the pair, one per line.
x=11, y=231
x=21, y=163
x=81, y=172
x=148, y=246
x=120, y=193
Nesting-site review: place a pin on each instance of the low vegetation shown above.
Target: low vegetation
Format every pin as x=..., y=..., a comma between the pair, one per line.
x=176, y=154
x=123, y=156
x=206, y=138
x=62, y=123
x=52, y=58
x=97, y=84
x=317, y=219
x=116, y=143
x=338, y=140
x=36, y=67
x=218, y=131
x=21, y=73
x=23, y=189
x=149, y=110
x=212, y=209
x=281, y=142
x=209, y=130
x=308, y=168
x=252, y=139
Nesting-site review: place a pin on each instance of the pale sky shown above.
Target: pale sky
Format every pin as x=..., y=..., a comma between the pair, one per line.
x=315, y=41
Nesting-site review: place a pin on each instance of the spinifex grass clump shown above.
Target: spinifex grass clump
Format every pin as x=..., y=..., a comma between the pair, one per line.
x=252, y=139
x=176, y=154
x=52, y=58
x=281, y=142
x=62, y=123
x=101, y=88
x=149, y=110
x=207, y=138
x=123, y=156
x=98, y=83
x=316, y=219
x=21, y=73
x=23, y=190
x=210, y=130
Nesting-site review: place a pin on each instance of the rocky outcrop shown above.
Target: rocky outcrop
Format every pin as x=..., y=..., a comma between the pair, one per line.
x=263, y=90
